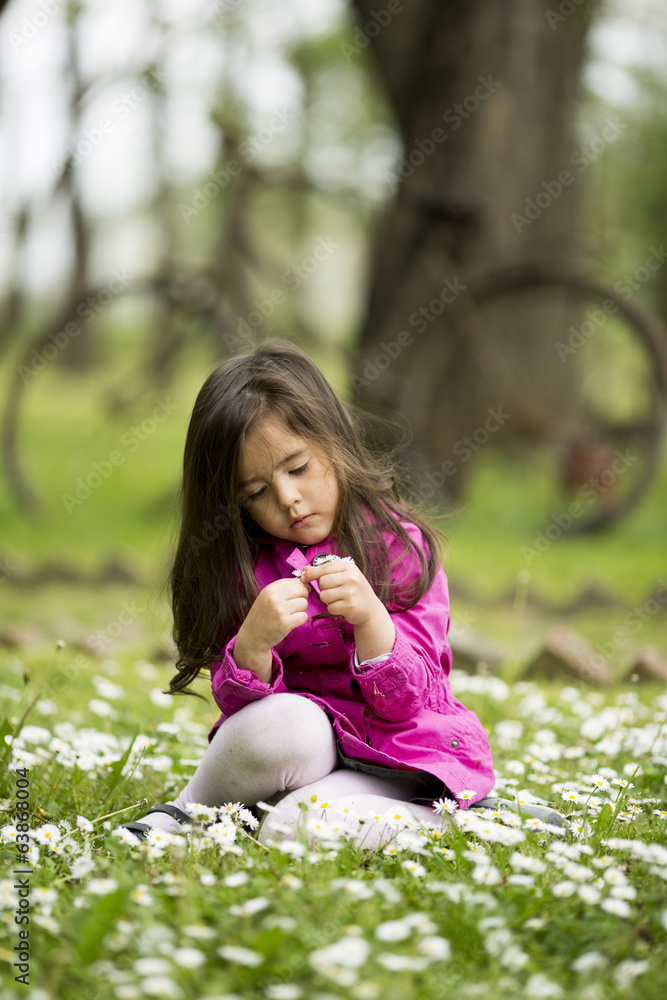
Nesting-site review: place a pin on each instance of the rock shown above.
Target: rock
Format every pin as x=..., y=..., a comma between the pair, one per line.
x=590, y=597
x=474, y=653
x=568, y=655
x=17, y=636
x=58, y=571
x=649, y=665
x=165, y=652
x=116, y=571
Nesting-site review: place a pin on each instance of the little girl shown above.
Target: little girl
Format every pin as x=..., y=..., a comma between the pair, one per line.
x=331, y=674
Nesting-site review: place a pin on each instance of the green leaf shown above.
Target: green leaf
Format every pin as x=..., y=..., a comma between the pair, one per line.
x=6, y=729
x=96, y=922
x=116, y=769
x=603, y=822
x=268, y=942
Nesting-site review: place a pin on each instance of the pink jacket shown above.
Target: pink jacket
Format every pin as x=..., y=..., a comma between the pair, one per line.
x=398, y=712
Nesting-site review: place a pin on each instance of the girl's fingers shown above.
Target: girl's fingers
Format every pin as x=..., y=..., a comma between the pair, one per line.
x=332, y=580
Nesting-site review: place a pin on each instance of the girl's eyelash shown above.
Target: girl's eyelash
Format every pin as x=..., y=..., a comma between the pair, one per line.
x=293, y=472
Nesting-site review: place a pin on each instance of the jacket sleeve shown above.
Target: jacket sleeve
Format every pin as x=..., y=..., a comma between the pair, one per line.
x=233, y=687
x=402, y=683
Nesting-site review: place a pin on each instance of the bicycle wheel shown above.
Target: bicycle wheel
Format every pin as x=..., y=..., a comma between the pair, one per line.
x=581, y=370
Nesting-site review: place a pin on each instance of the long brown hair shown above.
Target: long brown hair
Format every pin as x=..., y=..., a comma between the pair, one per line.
x=212, y=579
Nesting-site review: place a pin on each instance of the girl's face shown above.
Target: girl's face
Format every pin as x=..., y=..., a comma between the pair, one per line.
x=287, y=485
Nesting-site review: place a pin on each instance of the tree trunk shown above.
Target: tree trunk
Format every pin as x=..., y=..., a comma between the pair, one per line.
x=483, y=94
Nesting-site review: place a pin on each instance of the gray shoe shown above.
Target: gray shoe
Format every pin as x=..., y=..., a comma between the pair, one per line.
x=545, y=813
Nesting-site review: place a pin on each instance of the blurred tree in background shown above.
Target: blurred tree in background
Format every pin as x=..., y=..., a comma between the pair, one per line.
x=484, y=98
x=178, y=183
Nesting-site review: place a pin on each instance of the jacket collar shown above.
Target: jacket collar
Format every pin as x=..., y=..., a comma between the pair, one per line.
x=294, y=556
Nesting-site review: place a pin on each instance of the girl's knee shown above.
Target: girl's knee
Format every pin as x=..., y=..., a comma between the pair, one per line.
x=284, y=728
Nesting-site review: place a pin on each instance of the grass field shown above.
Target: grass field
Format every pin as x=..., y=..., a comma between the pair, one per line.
x=494, y=907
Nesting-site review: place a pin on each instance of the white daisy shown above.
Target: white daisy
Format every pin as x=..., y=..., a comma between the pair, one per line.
x=237, y=955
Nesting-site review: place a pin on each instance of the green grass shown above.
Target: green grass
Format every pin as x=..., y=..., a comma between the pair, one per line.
x=86, y=945
x=127, y=942
x=70, y=429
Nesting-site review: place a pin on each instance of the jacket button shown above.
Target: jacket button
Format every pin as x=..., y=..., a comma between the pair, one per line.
x=454, y=744
x=320, y=557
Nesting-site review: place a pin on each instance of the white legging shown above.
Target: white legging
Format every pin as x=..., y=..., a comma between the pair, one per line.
x=282, y=748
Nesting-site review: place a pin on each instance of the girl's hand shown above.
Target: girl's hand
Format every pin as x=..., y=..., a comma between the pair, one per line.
x=278, y=608
x=345, y=591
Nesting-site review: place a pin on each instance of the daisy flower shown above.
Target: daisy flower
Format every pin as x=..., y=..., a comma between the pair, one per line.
x=45, y=896
x=141, y=895
x=292, y=882
x=290, y=991
x=151, y=966
x=625, y=972
x=539, y=986
x=525, y=881
x=623, y=892
x=352, y=887
x=250, y=907
x=236, y=879
x=448, y=806
x=188, y=958
x=565, y=888
x=414, y=868
x=588, y=961
x=291, y=847
x=436, y=948
x=486, y=873
x=393, y=930
x=199, y=931
x=199, y=811
x=589, y=894
x=617, y=907
x=622, y=783
x=231, y=808
x=237, y=955
x=467, y=794
x=47, y=834
x=101, y=886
